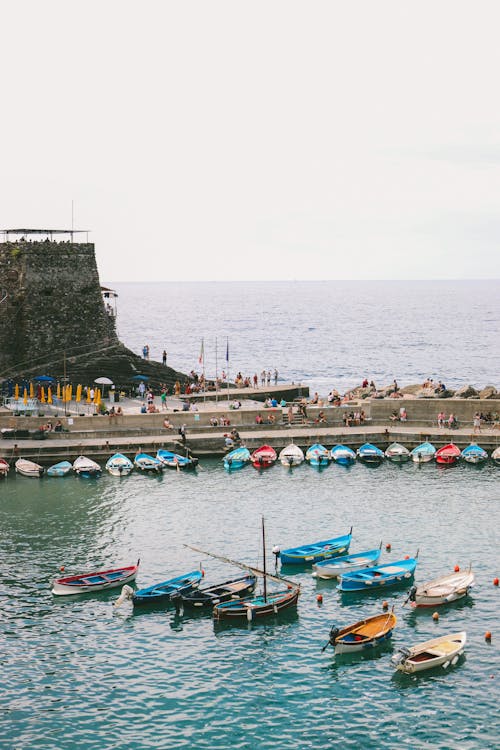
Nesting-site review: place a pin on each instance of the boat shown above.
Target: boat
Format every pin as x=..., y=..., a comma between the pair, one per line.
x=4, y=468
x=365, y=634
x=291, y=455
x=236, y=459
x=380, y=576
x=262, y=605
x=347, y=563
x=209, y=596
x=442, y=651
x=161, y=593
x=145, y=462
x=318, y=455
x=175, y=460
x=496, y=456
x=474, y=454
x=397, y=453
x=28, y=468
x=343, y=455
x=448, y=454
x=61, y=469
x=423, y=453
x=263, y=457
x=446, y=588
x=119, y=465
x=83, y=583
x=86, y=468
x=370, y=454
x=311, y=553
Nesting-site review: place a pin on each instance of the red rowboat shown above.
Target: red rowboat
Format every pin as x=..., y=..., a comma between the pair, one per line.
x=99, y=581
x=4, y=468
x=448, y=454
x=263, y=457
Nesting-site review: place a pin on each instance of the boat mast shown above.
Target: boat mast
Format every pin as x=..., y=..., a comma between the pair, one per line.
x=264, y=555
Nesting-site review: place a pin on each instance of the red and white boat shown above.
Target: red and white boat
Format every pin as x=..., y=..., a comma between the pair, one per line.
x=99, y=581
x=448, y=454
x=263, y=457
x=4, y=468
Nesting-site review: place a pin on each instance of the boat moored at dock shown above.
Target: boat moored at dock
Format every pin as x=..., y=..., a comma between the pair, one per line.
x=474, y=454
x=423, y=453
x=61, y=469
x=28, y=468
x=343, y=455
x=119, y=465
x=291, y=455
x=448, y=455
x=397, y=453
x=317, y=455
x=370, y=454
x=236, y=459
x=86, y=467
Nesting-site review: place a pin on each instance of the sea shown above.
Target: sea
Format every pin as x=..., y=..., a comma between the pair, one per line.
x=80, y=673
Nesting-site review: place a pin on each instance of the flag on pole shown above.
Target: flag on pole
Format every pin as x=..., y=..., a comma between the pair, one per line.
x=227, y=350
x=201, y=358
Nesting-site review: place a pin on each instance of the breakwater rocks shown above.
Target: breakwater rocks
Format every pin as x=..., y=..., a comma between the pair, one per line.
x=424, y=390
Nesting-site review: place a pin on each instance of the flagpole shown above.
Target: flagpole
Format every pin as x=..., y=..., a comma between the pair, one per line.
x=204, y=383
x=227, y=374
x=216, y=371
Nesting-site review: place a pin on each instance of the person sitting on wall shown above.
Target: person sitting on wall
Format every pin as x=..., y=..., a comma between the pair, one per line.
x=143, y=408
x=167, y=425
x=403, y=416
x=119, y=411
x=258, y=419
x=214, y=421
x=362, y=416
x=394, y=416
x=58, y=426
x=271, y=419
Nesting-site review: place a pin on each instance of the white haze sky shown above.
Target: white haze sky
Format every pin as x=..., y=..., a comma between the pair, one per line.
x=223, y=140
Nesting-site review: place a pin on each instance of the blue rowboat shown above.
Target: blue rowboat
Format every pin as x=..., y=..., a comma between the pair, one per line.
x=251, y=608
x=62, y=469
x=381, y=576
x=311, y=553
x=318, y=455
x=343, y=455
x=474, y=454
x=347, y=563
x=161, y=593
x=236, y=459
x=145, y=462
x=423, y=453
x=370, y=454
x=175, y=461
x=119, y=465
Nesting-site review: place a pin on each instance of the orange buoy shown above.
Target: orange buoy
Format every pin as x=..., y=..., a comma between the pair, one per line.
x=407, y=557
x=385, y=605
x=388, y=547
x=62, y=568
x=495, y=582
x=319, y=598
x=457, y=568
x=435, y=616
x=203, y=572
x=487, y=635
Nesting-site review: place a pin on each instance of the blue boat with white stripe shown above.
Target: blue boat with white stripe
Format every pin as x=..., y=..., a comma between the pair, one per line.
x=311, y=553
x=236, y=459
x=379, y=577
x=318, y=455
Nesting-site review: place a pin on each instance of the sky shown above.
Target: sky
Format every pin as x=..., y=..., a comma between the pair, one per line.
x=224, y=140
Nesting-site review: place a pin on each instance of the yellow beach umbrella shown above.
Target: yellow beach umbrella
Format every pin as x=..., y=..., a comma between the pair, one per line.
x=32, y=390
x=16, y=391
x=88, y=395
x=49, y=395
x=42, y=395
x=69, y=392
x=25, y=396
x=97, y=399
x=78, y=396
x=58, y=390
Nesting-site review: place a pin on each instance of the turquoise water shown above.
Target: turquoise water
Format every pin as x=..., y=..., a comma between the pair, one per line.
x=77, y=673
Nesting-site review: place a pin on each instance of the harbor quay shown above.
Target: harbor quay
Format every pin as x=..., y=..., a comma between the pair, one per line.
x=99, y=436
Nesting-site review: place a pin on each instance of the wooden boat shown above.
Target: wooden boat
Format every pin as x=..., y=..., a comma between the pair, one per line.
x=397, y=453
x=119, y=465
x=474, y=454
x=28, y=468
x=365, y=634
x=343, y=455
x=209, y=596
x=61, y=469
x=347, y=563
x=263, y=605
x=291, y=455
x=496, y=456
x=447, y=588
x=448, y=454
x=423, y=453
x=311, y=553
x=161, y=593
x=145, y=462
x=86, y=468
x=4, y=468
x=176, y=461
x=263, y=457
x=370, y=454
x=318, y=455
x=380, y=576
x=442, y=651
x=99, y=581
x=236, y=459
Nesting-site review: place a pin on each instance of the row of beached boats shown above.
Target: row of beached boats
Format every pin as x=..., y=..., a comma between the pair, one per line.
x=236, y=600
x=118, y=465
x=317, y=455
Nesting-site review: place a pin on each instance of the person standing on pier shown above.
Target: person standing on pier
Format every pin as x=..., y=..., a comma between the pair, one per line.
x=275, y=376
x=164, y=358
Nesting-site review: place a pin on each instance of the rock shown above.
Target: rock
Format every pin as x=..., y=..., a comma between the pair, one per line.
x=467, y=391
x=489, y=391
x=411, y=390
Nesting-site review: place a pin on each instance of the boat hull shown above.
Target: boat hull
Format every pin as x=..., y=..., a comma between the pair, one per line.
x=312, y=553
x=378, y=577
x=443, y=651
x=364, y=635
x=256, y=607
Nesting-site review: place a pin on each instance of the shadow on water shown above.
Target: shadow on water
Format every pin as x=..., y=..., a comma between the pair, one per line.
x=412, y=614
x=287, y=617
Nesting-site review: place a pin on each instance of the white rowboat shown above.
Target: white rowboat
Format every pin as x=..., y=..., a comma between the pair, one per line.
x=447, y=588
x=28, y=468
x=291, y=455
x=443, y=651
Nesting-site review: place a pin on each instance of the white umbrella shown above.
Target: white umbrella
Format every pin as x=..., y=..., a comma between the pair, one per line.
x=103, y=381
